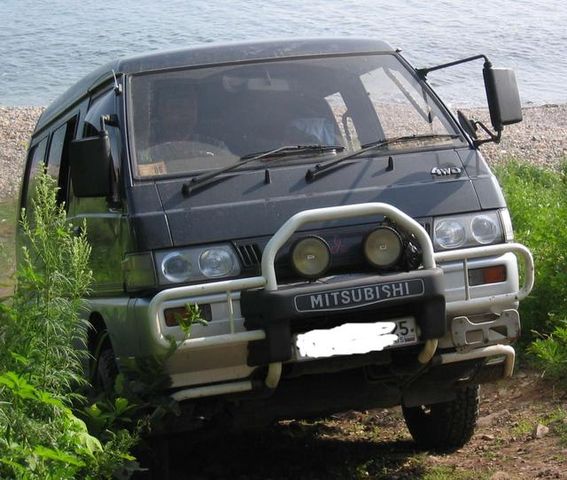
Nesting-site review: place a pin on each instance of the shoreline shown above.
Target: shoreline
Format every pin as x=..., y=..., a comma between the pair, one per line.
x=540, y=139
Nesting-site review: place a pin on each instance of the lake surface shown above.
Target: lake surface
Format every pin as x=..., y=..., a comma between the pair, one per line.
x=45, y=46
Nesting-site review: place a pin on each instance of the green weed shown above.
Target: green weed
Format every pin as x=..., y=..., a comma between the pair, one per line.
x=537, y=199
x=7, y=246
x=40, y=328
x=557, y=422
x=523, y=427
x=443, y=472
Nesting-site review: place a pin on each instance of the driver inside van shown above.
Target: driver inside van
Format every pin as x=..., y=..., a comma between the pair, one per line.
x=173, y=137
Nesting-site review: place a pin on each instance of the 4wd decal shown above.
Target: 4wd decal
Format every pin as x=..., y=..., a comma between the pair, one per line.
x=446, y=171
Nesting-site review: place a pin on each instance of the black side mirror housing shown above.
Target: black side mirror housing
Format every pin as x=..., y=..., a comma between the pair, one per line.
x=91, y=166
x=503, y=96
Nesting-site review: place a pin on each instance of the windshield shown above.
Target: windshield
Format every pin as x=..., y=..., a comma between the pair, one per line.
x=194, y=120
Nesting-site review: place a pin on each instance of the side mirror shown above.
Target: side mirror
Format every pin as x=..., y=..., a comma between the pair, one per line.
x=91, y=166
x=502, y=95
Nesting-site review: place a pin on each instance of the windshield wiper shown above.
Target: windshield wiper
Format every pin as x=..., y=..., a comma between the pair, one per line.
x=202, y=180
x=293, y=150
x=409, y=138
x=315, y=171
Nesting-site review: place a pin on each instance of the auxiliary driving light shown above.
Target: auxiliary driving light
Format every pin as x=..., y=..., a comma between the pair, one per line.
x=383, y=247
x=311, y=257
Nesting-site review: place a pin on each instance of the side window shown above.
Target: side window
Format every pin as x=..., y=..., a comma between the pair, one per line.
x=35, y=164
x=104, y=104
x=58, y=157
x=56, y=151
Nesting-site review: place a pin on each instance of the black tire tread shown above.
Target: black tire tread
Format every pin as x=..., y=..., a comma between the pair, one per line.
x=446, y=426
x=107, y=371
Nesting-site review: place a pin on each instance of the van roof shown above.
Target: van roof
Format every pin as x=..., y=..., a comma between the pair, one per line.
x=207, y=55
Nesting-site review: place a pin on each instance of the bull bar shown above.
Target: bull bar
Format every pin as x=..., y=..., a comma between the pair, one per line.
x=268, y=281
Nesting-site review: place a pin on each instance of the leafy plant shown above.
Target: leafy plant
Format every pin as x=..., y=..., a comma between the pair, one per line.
x=7, y=248
x=537, y=198
x=551, y=350
x=138, y=395
x=40, y=330
x=192, y=317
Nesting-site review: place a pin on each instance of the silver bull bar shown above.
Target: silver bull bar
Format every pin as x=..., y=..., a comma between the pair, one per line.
x=268, y=280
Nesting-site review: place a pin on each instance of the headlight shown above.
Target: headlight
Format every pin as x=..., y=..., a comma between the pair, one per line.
x=383, y=247
x=176, y=267
x=450, y=233
x=484, y=229
x=216, y=262
x=311, y=257
x=196, y=263
x=467, y=230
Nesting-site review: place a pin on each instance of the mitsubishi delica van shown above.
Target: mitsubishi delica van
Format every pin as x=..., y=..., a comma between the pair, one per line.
x=338, y=228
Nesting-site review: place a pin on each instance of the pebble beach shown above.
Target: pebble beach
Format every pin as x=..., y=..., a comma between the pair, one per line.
x=541, y=139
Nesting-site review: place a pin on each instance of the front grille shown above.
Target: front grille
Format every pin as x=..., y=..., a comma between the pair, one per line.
x=426, y=224
x=346, y=243
x=249, y=255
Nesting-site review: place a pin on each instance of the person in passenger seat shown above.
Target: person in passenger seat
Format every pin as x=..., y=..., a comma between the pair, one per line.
x=313, y=123
x=317, y=130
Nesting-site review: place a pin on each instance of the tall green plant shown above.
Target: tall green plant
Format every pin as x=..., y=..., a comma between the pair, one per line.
x=52, y=279
x=537, y=198
x=40, y=364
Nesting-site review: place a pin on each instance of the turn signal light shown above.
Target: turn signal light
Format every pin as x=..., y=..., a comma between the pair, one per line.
x=481, y=276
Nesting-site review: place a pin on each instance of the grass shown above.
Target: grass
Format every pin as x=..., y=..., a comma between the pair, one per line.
x=443, y=472
x=537, y=199
x=557, y=423
x=8, y=211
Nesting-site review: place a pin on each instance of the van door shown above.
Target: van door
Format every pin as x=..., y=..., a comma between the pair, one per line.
x=105, y=218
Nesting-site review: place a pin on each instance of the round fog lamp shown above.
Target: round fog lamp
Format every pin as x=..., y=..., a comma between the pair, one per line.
x=383, y=247
x=311, y=257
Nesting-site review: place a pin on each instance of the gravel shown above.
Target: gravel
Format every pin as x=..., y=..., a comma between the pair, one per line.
x=540, y=139
x=16, y=126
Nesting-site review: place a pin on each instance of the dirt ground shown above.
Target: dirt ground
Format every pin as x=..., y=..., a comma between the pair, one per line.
x=522, y=434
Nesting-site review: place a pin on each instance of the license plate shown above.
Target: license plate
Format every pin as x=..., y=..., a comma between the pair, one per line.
x=355, y=338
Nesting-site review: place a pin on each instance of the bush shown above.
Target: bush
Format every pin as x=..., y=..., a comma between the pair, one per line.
x=537, y=199
x=40, y=328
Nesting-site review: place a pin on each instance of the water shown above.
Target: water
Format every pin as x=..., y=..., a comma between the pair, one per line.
x=45, y=46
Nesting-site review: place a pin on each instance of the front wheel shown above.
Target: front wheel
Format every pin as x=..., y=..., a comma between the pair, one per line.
x=444, y=426
x=106, y=372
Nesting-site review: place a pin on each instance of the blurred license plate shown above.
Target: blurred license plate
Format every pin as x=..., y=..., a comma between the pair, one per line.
x=355, y=338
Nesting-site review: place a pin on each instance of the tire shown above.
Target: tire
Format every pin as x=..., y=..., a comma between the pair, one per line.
x=106, y=372
x=444, y=426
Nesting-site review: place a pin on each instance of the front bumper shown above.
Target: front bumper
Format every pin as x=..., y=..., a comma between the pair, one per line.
x=215, y=360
